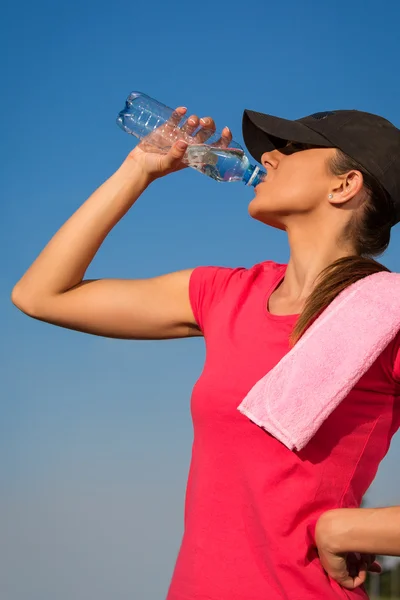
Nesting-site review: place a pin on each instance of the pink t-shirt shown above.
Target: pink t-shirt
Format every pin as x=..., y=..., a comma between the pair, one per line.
x=252, y=504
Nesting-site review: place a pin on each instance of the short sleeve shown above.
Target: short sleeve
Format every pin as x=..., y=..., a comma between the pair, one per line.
x=207, y=287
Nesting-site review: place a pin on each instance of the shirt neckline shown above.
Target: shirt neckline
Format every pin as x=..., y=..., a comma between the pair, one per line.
x=275, y=283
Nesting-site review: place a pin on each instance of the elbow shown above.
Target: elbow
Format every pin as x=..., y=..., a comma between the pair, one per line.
x=16, y=296
x=24, y=301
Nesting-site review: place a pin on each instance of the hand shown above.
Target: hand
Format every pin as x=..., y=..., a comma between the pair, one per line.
x=349, y=569
x=155, y=163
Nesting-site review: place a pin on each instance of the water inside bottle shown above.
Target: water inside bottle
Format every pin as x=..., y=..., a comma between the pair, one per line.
x=221, y=164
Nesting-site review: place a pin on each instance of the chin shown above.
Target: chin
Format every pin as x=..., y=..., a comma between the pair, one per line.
x=258, y=212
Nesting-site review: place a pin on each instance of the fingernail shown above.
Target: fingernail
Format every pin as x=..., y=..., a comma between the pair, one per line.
x=181, y=145
x=204, y=121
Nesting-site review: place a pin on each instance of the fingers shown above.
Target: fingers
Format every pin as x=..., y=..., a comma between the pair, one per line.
x=353, y=564
x=358, y=566
x=173, y=159
x=207, y=130
x=177, y=115
x=191, y=125
x=170, y=126
x=357, y=575
x=225, y=139
x=362, y=574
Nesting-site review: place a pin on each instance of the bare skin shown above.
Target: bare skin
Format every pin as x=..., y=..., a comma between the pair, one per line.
x=295, y=198
x=54, y=290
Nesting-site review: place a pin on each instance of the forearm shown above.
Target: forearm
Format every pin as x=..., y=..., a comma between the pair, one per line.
x=63, y=262
x=364, y=530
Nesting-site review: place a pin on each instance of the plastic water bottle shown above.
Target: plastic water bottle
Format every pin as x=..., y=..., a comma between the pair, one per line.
x=142, y=115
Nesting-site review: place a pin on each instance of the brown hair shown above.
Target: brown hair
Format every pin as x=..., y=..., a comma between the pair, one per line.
x=370, y=235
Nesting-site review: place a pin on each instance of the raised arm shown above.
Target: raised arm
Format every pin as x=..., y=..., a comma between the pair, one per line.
x=54, y=290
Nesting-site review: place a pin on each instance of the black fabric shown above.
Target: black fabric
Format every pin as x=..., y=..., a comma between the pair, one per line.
x=369, y=139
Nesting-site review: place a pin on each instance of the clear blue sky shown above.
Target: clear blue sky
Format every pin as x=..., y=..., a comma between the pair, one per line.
x=95, y=434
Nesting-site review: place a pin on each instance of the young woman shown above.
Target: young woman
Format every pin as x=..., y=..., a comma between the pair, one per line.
x=261, y=522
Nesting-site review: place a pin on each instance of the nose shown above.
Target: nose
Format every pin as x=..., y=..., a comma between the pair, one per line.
x=270, y=159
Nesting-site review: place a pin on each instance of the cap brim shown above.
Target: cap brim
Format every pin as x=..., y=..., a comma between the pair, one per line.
x=263, y=133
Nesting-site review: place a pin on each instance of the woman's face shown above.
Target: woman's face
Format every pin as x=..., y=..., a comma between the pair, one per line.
x=297, y=183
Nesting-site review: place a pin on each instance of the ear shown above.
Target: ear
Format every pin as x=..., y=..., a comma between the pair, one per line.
x=346, y=187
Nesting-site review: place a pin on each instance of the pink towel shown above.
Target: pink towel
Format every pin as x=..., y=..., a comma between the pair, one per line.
x=293, y=400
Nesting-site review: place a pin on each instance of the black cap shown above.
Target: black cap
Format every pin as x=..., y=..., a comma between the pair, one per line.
x=369, y=139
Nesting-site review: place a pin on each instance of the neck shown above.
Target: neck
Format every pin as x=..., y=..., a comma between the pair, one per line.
x=310, y=253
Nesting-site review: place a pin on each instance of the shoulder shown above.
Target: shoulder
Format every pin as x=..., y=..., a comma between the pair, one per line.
x=210, y=286
x=223, y=278
x=267, y=266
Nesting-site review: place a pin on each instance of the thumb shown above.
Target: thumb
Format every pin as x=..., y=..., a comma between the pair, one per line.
x=175, y=154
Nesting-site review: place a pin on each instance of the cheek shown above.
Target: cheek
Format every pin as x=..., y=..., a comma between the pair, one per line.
x=291, y=189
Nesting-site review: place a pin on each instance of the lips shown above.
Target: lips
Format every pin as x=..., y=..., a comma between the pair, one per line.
x=260, y=184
